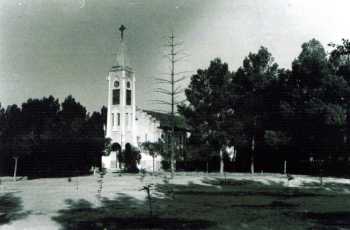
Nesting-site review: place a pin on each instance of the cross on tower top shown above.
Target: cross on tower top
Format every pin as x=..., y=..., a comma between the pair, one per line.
x=121, y=29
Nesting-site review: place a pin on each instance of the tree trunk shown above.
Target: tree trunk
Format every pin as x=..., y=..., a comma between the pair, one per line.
x=285, y=167
x=221, y=162
x=252, y=167
x=207, y=165
x=15, y=169
x=153, y=163
x=172, y=156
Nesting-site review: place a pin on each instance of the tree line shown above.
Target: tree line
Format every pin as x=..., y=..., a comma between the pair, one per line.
x=259, y=117
x=44, y=137
x=271, y=115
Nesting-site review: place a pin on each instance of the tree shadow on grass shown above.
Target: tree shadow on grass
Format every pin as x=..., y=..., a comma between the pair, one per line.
x=327, y=220
x=272, y=205
x=231, y=187
x=11, y=208
x=123, y=212
x=176, y=207
x=331, y=186
x=274, y=200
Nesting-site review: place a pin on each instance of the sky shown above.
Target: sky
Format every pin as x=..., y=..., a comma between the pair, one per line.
x=63, y=47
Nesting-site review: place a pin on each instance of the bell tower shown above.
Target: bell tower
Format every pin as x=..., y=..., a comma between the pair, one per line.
x=121, y=113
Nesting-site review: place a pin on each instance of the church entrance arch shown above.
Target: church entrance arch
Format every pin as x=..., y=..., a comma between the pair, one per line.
x=116, y=147
x=132, y=158
x=118, y=150
x=128, y=147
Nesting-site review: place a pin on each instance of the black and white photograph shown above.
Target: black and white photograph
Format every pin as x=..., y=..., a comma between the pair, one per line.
x=174, y=114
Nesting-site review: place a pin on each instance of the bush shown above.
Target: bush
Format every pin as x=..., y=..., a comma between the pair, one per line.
x=131, y=156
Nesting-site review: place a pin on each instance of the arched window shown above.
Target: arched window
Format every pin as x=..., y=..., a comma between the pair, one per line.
x=128, y=84
x=128, y=97
x=116, y=84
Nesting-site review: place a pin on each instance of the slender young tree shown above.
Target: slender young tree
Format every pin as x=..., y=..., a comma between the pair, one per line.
x=17, y=140
x=154, y=149
x=20, y=146
x=171, y=88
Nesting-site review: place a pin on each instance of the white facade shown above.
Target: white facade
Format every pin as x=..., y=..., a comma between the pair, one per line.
x=125, y=123
x=147, y=127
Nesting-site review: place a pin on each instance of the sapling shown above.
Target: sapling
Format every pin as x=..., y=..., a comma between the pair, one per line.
x=77, y=183
x=321, y=172
x=147, y=189
x=170, y=192
x=165, y=180
x=143, y=174
x=318, y=165
x=100, y=183
x=77, y=173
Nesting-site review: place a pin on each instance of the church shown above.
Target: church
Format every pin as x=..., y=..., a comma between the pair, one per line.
x=129, y=124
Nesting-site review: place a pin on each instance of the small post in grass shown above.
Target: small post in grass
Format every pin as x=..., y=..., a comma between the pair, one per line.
x=77, y=179
x=289, y=178
x=77, y=183
x=225, y=179
x=320, y=163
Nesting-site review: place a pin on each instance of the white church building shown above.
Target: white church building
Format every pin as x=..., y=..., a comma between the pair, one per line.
x=126, y=123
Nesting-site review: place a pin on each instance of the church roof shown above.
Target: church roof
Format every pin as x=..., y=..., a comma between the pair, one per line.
x=165, y=120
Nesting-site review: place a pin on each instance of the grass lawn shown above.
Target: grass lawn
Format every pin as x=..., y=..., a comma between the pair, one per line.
x=195, y=201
